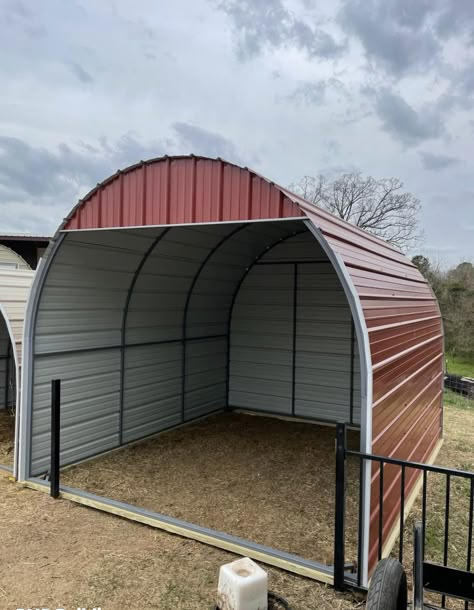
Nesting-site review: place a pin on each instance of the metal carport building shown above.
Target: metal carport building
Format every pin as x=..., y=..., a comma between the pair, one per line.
x=15, y=281
x=185, y=285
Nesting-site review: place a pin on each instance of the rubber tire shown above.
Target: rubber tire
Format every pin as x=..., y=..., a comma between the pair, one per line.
x=388, y=587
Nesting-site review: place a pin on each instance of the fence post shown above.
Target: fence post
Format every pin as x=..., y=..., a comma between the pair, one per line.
x=339, y=521
x=55, y=437
x=418, y=566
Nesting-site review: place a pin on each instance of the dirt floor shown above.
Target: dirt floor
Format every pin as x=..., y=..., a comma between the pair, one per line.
x=56, y=554
x=7, y=437
x=264, y=479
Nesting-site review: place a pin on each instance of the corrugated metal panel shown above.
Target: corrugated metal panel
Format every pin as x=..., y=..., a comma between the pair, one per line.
x=262, y=343
x=405, y=334
x=90, y=387
x=15, y=281
x=152, y=389
x=80, y=315
x=324, y=348
x=9, y=259
x=187, y=285
x=262, y=335
x=177, y=190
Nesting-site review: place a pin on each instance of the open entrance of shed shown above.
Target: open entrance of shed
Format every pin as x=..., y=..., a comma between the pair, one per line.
x=166, y=326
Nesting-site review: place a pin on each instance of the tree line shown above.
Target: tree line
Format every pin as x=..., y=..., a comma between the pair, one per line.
x=454, y=289
x=384, y=208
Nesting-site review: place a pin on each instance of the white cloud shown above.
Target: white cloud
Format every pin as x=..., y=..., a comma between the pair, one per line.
x=89, y=87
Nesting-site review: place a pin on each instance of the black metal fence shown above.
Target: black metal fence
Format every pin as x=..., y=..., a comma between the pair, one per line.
x=409, y=473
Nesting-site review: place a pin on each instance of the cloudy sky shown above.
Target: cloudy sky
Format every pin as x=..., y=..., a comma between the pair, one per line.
x=287, y=87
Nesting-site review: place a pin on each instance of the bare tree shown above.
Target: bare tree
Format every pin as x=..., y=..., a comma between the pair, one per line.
x=378, y=206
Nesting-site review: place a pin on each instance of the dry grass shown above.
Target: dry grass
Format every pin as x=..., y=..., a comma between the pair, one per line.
x=261, y=478
x=59, y=554
x=7, y=437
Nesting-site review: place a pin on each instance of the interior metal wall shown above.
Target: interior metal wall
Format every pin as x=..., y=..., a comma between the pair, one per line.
x=78, y=340
x=292, y=346
x=136, y=324
x=177, y=323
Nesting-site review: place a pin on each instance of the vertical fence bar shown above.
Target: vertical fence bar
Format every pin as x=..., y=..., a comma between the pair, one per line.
x=361, y=521
x=380, y=510
x=55, y=437
x=446, y=530
x=423, y=510
x=339, y=521
x=418, y=554
x=402, y=514
x=469, y=534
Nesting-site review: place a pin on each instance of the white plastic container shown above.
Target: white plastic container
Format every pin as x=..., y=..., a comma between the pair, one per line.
x=243, y=585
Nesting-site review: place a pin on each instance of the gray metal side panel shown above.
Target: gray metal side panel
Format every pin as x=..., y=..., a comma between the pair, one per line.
x=261, y=340
x=89, y=405
x=79, y=314
x=206, y=367
x=323, y=345
x=152, y=389
x=262, y=337
x=173, y=275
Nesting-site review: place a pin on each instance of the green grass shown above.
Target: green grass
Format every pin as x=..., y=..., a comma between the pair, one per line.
x=458, y=401
x=460, y=365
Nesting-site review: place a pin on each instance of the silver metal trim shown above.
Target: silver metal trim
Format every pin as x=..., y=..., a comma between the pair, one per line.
x=366, y=382
x=25, y=409
x=186, y=224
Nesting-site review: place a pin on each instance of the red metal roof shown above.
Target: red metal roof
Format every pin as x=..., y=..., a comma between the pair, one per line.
x=400, y=310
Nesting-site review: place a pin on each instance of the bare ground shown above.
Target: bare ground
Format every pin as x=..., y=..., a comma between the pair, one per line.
x=7, y=437
x=264, y=479
x=56, y=554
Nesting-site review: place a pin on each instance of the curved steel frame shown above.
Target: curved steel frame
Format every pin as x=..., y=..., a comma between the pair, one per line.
x=24, y=413
x=366, y=384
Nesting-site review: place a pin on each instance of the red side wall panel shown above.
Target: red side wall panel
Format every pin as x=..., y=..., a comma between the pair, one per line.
x=406, y=344
x=401, y=313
